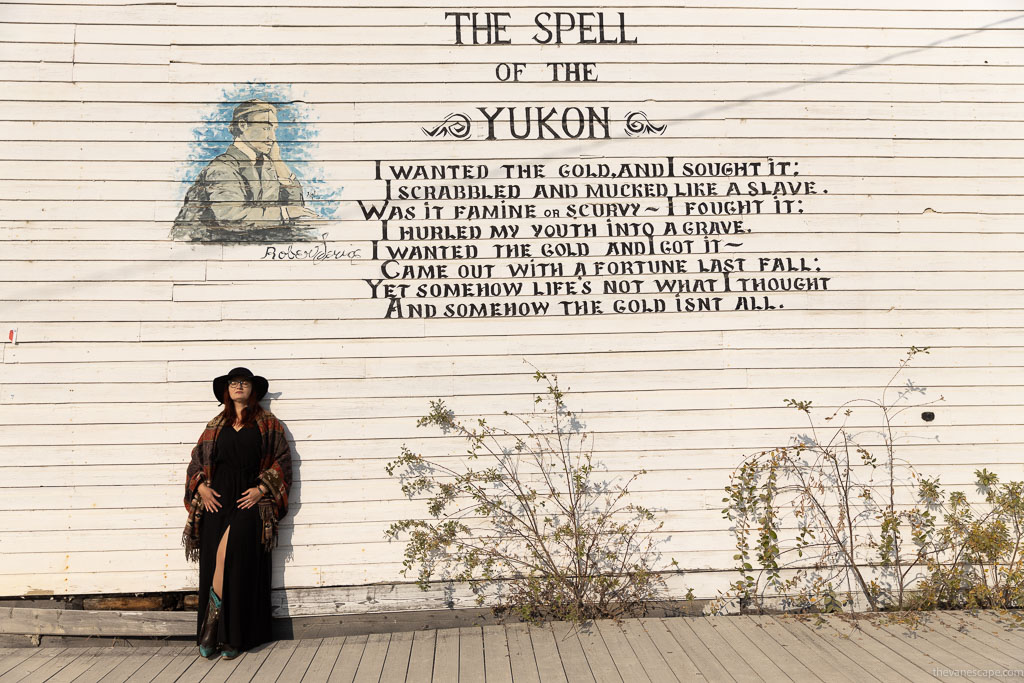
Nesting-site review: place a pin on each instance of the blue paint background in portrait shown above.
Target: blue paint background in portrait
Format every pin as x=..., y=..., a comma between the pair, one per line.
x=296, y=135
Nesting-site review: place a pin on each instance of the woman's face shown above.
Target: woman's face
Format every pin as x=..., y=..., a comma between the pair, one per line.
x=240, y=388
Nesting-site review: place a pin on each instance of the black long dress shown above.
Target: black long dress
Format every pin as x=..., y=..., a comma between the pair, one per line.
x=245, y=598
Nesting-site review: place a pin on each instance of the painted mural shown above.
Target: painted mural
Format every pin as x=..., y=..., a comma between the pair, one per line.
x=260, y=185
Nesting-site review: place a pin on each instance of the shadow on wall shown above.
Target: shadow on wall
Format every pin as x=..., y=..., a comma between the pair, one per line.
x=285, y=550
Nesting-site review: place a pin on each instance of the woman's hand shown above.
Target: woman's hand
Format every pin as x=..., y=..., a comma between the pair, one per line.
x=209, y=496
x=249, y=498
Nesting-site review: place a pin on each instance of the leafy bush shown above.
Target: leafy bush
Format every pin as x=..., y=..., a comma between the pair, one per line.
x=976, y=558
x=822, y=490
x=529, y=526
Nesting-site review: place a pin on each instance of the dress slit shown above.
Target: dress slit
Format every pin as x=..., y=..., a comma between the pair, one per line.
x=222, y=630
x=223, y=570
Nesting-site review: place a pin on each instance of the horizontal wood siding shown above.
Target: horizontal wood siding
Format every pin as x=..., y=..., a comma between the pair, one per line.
x=910, y=116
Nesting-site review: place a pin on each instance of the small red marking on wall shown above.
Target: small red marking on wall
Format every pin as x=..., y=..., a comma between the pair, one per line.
x=12, y=336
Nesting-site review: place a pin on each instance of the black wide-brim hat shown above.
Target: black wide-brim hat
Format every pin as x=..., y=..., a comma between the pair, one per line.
x=259, y=384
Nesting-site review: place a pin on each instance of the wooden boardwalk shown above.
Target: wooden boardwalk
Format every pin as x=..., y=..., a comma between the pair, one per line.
x=743, y=648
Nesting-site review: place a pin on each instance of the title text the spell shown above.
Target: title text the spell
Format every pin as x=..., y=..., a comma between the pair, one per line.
x=555, y=28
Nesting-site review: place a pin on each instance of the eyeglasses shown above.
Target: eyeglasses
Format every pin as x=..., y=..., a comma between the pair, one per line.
x=239, y=384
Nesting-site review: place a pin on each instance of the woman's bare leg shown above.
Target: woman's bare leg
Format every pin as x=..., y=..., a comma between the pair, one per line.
x=218, y=573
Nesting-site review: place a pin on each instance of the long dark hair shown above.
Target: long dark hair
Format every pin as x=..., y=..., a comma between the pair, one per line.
x=249, y=413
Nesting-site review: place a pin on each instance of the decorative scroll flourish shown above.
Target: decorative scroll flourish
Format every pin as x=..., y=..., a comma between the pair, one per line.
x=456, y=125
x=637, y=123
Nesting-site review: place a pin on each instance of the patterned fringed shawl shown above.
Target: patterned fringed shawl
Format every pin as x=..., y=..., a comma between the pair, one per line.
x=275, y=475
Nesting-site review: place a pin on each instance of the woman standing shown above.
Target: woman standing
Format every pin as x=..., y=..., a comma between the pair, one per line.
x=236, y=492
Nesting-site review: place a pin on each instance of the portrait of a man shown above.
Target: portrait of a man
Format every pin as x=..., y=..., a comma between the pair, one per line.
x=248, y=193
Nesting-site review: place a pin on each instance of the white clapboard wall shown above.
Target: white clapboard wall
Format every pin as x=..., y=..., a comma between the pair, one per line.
x=910, y=114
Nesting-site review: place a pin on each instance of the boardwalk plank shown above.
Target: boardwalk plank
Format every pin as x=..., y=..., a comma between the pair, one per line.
x=570, y=652
x=704, y=659
x=950, y=651
x=39, y=657
x=224, y=668
x=54, y=666
x=136, y=659
x=848, y=665
x=977, y=654
x=596, y=651
x=396, y=662
x=520, y=654
x=651, y=659
x=823, y=666
x=982, y=632
x=829, y=638
x=246, y=665
x=759, y=661
x=348, y=660
x=497, y=663
x=421, y=659
x=549, y=664
x=297, y=664
x=675, y=655
x=471, y=653
x=372, y=662
x=976, y=645
x=1005, y=627
x=894, y=659
x=274, y=664
x=733, y=663
x=12, y=660
x=1010, y=623
x=794, y=667
x=178, y=664
x=105, y=663
x=195, y=672
x=319, y=669
x=155, y=664
x=626, y=660
x=662, y=650
x=79, y=665
x=446, y=656
x=912, y=647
